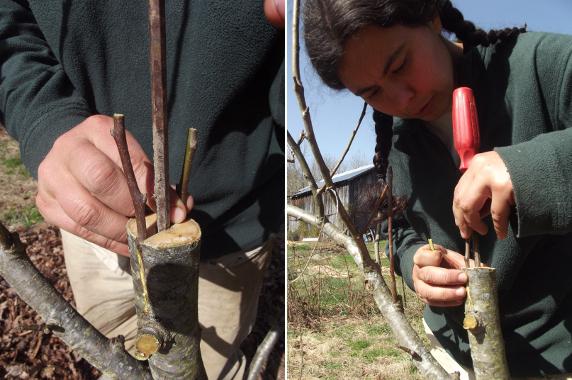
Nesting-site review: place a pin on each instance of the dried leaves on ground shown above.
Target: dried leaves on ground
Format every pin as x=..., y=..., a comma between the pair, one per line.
x=26, y=350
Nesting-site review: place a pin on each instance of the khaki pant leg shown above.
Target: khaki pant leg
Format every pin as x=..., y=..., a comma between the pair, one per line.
x=229, y=288
x=102, y=287
x=228, y=301
x=442, y=356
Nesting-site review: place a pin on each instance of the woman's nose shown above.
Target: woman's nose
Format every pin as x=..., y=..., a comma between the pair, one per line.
x=400, y=94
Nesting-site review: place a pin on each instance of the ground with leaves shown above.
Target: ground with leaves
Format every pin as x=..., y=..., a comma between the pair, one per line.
x=29, y=352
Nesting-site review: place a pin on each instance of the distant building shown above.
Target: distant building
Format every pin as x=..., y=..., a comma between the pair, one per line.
x=349, y=185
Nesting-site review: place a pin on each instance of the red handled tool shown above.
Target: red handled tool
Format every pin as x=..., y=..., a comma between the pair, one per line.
x=467, y=141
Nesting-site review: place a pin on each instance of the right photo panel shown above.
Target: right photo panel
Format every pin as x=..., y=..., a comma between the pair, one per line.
x=429, y=189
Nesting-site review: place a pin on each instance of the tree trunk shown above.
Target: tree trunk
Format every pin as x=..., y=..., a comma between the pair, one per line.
x=165, y=269
x=483, y=324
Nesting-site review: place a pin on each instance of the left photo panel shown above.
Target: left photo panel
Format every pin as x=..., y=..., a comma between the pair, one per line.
x=142, y=161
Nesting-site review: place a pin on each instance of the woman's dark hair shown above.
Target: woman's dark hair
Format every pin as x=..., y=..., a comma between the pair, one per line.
x=329, y=23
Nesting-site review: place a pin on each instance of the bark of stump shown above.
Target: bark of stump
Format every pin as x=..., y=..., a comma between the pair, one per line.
x=167, y=302
x=482, y=323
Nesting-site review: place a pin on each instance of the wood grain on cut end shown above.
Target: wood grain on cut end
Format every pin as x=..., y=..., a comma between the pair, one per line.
x=178, y=234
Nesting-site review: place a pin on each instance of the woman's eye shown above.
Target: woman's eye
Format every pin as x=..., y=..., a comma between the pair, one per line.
x=400, y=67
x=372, y=94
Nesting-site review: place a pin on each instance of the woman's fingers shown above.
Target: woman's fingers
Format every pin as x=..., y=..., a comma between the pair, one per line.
x=437, y=276
x=440, y=295
x=442, y=276
x=427, y=256
x=486, y=180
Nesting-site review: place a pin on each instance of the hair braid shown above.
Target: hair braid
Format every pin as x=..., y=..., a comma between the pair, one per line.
x=383, y=137
x=468, y=33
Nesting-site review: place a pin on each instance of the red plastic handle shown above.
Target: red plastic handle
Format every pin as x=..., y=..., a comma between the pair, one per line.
x=465, y=126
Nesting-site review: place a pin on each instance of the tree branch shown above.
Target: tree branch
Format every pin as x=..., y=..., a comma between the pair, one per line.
x=159, y=111
x=186, y=171
x=354, y=132
x=318, y=202
x=299, y=90
x=109, y=356
x=263, y=352
x=118, y=133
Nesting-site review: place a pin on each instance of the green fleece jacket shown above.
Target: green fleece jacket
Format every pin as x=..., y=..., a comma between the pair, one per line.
x=61, y=61
x=523, y=92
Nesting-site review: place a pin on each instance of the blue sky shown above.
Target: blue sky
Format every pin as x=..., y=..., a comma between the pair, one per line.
x=335, y=113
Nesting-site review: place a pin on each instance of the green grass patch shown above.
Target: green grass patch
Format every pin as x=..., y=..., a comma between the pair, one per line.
x=374, y=354
x=14, y=166
x=27, y=216
x=359, y=345
x=378, y=329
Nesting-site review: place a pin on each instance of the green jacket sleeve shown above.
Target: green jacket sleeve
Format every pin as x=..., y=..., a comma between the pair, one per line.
x=541, y=168
x=406, y=243
x=37, y=101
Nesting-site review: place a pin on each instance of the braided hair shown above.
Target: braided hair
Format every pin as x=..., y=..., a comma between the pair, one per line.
x=329, y=23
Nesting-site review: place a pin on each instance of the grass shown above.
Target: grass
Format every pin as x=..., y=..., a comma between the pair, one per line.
x=17, y=188
x=334, y=327
x=26, y=216
x=14, y=166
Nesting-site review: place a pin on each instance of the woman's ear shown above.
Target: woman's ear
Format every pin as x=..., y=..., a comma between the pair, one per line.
x=436, y=23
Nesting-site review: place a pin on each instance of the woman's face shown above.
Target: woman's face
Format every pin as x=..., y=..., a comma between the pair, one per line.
x=401, y=71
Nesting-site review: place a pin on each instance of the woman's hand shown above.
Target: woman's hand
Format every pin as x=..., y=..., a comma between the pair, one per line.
x=486, y=182
x=438, y=277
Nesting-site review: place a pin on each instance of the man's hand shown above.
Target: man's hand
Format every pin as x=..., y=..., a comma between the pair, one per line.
x=485, y=182
x=274, y=11
x=437, y=276
x=82, y=188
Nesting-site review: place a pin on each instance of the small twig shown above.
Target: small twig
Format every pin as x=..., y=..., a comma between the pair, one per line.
x=354, y=132
x=159, y=111
x=301, y=138
x=190, y=149
x=467, y=253
x=309, y=257
x=318, y=202
x=389, y=177
x=377, y=205
x=476, y=250
x=118, y=133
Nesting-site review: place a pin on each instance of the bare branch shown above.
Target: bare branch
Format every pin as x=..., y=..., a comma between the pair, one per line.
x=354, y=132
x=263, y=352
x=118, y=133
x=299, y=90
x=190, y=149
x=301, y=138
x=404, y=333
x=159, y=111
x=109, y=356
x=318, y=202
x=389, y=177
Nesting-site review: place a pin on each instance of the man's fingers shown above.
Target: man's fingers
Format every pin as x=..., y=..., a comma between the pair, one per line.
x=442, y=276
x=53, y=214
x=88, y=212
x=190, y=203
x=102, y=178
